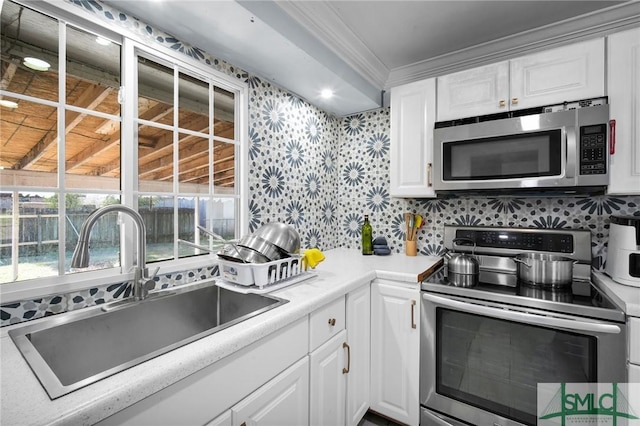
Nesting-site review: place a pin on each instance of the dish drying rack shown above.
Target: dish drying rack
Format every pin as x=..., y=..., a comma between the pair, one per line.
x=263, y=277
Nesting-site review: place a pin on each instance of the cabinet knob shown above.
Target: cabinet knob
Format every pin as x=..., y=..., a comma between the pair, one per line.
x=332, y=322
x=502, y=104
x=514, y=101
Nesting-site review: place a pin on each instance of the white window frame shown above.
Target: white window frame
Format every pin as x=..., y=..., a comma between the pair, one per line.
x=131, y=43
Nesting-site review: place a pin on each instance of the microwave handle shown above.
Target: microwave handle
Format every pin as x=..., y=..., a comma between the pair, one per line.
x=509, y=315
x=572, y=147
x=612, y=137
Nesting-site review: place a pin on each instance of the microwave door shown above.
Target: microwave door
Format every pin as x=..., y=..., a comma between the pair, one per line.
x=516, y=160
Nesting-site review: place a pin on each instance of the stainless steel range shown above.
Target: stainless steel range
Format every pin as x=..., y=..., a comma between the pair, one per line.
x=485, y=347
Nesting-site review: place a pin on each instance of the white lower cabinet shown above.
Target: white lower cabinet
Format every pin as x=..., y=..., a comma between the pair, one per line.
x=283, y=401
x=395, y=346
x=339, y=388
x=328, y=390
x=359, y=340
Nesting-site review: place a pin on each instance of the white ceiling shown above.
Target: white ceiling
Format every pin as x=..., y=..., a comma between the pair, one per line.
x=362, y=48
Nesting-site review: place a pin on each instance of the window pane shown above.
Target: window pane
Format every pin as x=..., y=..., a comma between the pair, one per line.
x=224, y=163
x=192, y=211
x=93, y=73
x=224, y=113
x=193, y=103
x=155, y=159
x=7, y=271
x=223, y=217
x=92, y=149
x=37, y=237
x=28, y=34
x=157, y=213
x=28, y=137
x=105, y=235
x=155, y=91
x=193, y=164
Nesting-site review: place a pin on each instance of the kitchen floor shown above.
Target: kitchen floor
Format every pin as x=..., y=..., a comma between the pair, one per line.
x=372, y=419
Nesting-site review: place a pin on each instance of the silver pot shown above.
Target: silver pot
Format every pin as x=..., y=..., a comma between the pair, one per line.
x=283, y=236
x=545, y=269
x=262, y=246
x=463, y=270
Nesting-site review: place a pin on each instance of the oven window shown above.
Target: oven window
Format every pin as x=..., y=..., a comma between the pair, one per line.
x=504, y=157
x=496, y=364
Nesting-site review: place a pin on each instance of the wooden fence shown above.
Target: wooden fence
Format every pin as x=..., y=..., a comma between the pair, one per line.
x=38, y=233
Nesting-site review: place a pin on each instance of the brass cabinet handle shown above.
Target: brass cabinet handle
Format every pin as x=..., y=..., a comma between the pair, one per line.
x=332, y=321
x=346, y=370
x=514, y=101
x=429, y=183
x=502, y=104
x=413, y=308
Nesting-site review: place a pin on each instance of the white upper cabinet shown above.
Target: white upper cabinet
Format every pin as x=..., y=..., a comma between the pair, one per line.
x=567, y=73
x=624, y=107
x=412, y=117
x=479, y=91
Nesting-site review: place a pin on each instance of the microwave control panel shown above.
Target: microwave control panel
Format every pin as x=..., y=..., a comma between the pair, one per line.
x=593, y=149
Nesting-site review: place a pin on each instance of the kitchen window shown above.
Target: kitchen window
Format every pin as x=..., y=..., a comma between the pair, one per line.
x=98, y=119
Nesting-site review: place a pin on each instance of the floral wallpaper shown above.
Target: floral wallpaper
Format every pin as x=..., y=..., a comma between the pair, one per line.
x=323, y=174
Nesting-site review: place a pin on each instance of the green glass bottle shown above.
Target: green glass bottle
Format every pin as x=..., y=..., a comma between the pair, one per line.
x=367, y=244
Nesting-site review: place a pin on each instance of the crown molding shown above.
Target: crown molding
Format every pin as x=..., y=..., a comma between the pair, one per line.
x=595, y=24
x=322, y=20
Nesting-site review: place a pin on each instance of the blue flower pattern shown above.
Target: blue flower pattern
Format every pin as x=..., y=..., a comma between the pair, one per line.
x=350, y=145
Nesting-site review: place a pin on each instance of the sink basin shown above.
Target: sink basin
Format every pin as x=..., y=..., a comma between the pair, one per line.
x=75, y=349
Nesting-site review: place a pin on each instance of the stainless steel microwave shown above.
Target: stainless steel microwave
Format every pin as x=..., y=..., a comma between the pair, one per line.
x=564, y=150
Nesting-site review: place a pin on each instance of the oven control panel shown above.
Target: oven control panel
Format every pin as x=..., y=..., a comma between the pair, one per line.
x=517, y=240
x=593, y=149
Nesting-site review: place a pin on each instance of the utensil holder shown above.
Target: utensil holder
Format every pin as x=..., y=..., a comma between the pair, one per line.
x=410, y=248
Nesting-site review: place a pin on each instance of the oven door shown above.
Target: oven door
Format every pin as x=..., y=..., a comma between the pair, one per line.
x=527, y=152
x=481, y=361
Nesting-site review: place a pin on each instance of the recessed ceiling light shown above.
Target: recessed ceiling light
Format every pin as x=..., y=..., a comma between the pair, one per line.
x=36, y=64
x=326, y=93
x=102, y=41
x=8, y=104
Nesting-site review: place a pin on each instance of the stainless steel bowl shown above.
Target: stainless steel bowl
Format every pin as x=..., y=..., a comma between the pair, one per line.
x=241, y=254
x=283, y=236
x=262, y=246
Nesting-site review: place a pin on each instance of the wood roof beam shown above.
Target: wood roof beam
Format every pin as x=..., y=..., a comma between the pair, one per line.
x=92, y=97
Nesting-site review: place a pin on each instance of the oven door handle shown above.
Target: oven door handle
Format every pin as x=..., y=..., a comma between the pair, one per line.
x=510, y=315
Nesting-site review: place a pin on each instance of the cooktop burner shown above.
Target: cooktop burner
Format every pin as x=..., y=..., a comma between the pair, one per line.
x=498, y=277
x=581, y=298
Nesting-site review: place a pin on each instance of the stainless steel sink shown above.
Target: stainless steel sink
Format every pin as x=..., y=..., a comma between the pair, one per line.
x=72, y=350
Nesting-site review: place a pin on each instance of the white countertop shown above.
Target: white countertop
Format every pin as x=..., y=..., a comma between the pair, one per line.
x=25, y=402
x=626, y=296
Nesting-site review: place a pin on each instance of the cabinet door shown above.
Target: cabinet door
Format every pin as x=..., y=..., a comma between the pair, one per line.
x=624, y=107
x=282, y=401
x=395, y=350
x=359, y=339
x=567, y=73
x=411, y=156
x=328, y=382
x=478, y=91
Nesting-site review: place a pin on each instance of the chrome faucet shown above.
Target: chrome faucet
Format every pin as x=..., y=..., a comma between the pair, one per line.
x=142, y=282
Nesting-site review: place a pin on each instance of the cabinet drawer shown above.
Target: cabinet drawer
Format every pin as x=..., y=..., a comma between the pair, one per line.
x=634, y=340
x=326, y=322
